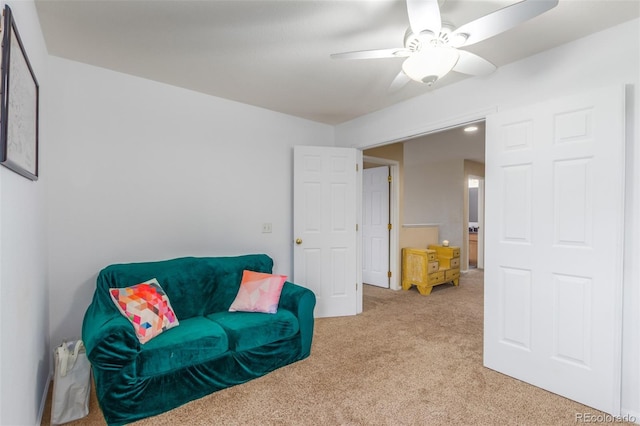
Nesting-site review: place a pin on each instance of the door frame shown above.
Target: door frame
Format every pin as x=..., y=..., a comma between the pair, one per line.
x=394, y=218
x=394, y=197
x=480, y=254
x=480, y=262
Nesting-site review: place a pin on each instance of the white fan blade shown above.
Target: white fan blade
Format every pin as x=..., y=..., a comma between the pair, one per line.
x=399, y=82
x=373, y=54
x=500, y=21
x=424, y=15
x=472, y=64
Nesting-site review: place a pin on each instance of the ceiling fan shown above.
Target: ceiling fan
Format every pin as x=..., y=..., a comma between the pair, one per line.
x=432, y=46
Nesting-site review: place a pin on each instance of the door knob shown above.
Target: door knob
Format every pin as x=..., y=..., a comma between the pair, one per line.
x=298, y=241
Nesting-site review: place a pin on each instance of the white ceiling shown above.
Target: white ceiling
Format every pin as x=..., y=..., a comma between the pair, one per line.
x=275, y=54
x=447, y=145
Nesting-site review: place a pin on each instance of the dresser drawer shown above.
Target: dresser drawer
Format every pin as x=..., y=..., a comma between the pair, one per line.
x=436, y=277
x=450, y=263
x=433, y=267
x=429, y=254
x=451, y=274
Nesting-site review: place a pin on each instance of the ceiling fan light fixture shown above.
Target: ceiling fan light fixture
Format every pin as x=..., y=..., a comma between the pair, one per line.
x=430, y=64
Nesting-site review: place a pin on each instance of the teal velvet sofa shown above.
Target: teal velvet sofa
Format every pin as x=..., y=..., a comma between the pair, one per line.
x=210, y=349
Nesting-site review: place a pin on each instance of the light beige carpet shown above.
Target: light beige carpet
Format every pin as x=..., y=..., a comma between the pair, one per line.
x=406, y=360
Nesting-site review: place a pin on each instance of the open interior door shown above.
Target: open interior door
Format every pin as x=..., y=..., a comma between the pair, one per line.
x=554, y=245
x=325, y=217
x=375, y=226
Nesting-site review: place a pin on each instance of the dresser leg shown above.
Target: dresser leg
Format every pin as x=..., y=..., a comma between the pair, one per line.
x=425, y=291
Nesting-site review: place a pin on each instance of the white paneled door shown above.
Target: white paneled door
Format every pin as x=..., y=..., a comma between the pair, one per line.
x=375, y=226
x=554, y=245
x=324, y=226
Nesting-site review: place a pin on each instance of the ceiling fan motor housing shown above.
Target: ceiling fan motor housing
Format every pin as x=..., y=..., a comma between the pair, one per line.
x=415, y=42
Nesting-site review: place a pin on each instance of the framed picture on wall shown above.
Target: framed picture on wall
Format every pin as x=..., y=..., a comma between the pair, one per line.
x=19, y=104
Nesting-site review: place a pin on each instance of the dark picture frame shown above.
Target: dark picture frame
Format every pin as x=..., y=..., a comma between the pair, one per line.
x=19, y=105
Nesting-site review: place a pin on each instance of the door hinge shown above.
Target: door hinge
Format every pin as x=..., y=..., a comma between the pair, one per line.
x=389, y=178
x=389, y=274
x=356, y=227
x=356, y=286
x=389, y=226
x=357, y=168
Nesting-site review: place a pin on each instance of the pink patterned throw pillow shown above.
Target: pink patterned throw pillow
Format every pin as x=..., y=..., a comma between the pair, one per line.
x=147, y=306
x=258, y=292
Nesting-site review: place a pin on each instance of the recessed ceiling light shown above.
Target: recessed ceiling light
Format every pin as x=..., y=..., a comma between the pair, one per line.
x=471, y=129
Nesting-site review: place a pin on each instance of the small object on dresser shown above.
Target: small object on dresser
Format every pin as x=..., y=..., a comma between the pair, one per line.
x=445, y=243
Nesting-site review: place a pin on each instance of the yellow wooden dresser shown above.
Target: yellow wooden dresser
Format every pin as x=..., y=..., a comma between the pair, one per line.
x=426, y=268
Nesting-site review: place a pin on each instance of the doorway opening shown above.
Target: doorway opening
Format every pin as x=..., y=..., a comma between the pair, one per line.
x=432, y=202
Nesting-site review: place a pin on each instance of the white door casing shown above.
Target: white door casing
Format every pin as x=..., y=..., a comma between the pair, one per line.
x=375, y=226
x=481, y=224
x=554, y=189
x=324, y=226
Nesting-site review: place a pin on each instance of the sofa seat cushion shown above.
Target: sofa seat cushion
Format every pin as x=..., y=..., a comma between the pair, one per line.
x=248, y=330
x=196, y=340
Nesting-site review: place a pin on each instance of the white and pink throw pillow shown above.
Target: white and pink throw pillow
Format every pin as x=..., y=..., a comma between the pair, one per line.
x=258, y=292
x=148, y=308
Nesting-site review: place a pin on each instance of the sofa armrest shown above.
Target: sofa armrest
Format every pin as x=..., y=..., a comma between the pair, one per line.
x=109, y=338
x=301, y=301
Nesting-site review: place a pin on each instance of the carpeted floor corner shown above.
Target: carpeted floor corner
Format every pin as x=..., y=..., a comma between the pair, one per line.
x=407, y=359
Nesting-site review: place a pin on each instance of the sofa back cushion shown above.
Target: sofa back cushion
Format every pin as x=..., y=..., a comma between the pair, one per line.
x=194, y=285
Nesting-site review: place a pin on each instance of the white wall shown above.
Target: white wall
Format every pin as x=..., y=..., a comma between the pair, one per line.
x=141, y=171
x=24, y=295
x=435, y=182
x=606, y=58
x=433, y=194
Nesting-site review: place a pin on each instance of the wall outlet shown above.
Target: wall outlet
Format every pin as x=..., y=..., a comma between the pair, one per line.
x=266, y=228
